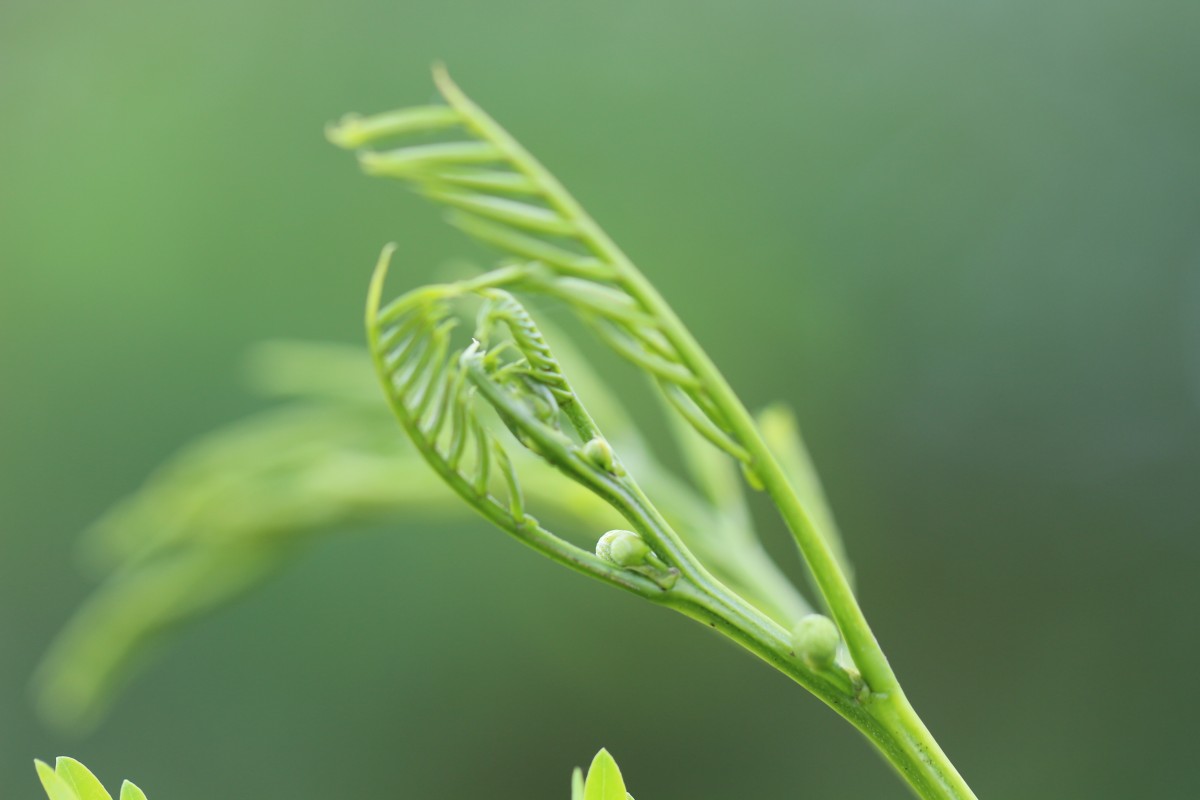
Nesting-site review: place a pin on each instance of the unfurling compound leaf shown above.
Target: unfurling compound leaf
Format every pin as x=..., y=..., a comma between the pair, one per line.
x=438, y=387
x=561, y=253
x=222, y=515
x=198, y=536
x=500, y=195
x=237, y=503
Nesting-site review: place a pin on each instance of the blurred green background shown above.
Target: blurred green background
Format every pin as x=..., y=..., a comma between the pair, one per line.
x=962, y=238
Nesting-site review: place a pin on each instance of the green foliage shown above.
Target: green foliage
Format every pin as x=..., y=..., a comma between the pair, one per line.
x=70, y=780
x=226, y=512
x=439, y=388
x=229, y=510
x=604, y=781
x=526, y=435
x=500, y=195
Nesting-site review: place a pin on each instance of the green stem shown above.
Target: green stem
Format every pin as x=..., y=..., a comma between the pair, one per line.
x=919, y=758
x=894, y=725
x=889, y=722
x=886, y=718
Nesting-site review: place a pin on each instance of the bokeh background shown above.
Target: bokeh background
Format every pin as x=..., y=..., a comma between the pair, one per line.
x=963, y=239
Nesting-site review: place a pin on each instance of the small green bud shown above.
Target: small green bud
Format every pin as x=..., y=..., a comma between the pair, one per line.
x=816, y=640
x=627, y=550
x=600, y=452
x=623, y=548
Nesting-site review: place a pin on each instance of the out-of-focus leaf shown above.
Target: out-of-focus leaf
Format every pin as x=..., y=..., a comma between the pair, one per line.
x=223, y=514
x=781, y=432
x=577, y=784
x=712, y=470
x=113, y=634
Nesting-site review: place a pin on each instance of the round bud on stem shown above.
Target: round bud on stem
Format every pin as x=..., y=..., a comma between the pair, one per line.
x=816, y=640
x=623, y=548
x=600, y=452
x=627, y=550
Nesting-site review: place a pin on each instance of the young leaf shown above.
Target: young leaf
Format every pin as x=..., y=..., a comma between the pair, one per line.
x=130, y=791
x=577, y=784
x=80, y=778
x=71, y=780
x=328, y=460
x=55, y=785
x=578, y=263
x=654, y=339
x=604, y=780
x=432, y=381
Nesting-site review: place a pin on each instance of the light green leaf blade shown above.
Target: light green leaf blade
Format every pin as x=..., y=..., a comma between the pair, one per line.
x=576, y=784
x=354, y=130
x=130, y=791
x=86, y=785
x=56, y=788
x=604, y=780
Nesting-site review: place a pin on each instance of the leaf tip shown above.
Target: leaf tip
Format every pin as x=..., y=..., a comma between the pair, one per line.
x=375, y=292
x=130, y=791
x=55, y=787
x=345, y=132
x=446, y=85
x=577, y=784
x=604, y=780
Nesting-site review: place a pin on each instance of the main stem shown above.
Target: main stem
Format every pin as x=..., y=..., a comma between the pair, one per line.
x=888, y=721
x=896, y=729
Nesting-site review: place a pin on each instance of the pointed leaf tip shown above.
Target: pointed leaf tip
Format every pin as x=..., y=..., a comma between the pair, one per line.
x=56, y=788
x=441, y=75
x=86, y=785
x=604, y=781
x=576, y=784
x=130, y=791
x=449, y=89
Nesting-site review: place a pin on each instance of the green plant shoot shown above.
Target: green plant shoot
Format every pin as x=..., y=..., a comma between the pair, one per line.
x=439, y=383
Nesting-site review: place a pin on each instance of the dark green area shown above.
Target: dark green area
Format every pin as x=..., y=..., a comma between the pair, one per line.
x=962, y=239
